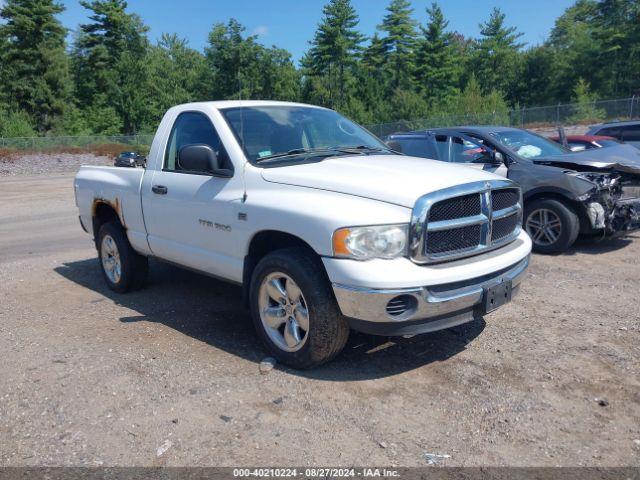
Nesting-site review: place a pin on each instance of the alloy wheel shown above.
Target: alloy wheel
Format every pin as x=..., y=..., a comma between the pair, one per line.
x=283, y=311
x=543, y=226
x=111, y=259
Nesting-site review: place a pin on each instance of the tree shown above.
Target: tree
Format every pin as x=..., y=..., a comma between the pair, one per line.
x=617, y=30
x=474, y=106
x=35, y=74
x=335, y=48
x=438, y=65
x=399, y=42
x=110, y=64
x=496, y=57
x=574, y=50
x=238, y=67
x=585, y=109
x=175, y=69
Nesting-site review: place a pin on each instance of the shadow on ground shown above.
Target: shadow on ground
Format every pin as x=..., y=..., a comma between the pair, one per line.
x=211, y=311
x=596, y=246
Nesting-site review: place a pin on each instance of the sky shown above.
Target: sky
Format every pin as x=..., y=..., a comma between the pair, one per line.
x=290, y=24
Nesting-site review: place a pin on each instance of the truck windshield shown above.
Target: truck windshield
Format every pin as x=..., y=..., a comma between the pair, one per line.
x=295, y=133
x=528, y=145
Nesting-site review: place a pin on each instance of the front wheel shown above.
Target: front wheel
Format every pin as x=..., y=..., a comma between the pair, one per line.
x=552, y=225
x=294, y=310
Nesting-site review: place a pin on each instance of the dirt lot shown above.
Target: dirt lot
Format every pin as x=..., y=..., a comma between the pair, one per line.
x=169, y=375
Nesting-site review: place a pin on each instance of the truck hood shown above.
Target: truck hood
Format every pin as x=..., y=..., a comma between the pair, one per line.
x=620, y=158
x=396, y=179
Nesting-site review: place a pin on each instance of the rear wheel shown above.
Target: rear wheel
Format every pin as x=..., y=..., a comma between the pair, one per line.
x=552, y=225
x=294, y=310
x=123, y=269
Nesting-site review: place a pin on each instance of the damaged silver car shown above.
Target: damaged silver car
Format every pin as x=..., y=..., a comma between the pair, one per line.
x=591, y=193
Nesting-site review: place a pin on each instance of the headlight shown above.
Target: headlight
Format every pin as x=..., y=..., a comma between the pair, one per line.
x=364, y=243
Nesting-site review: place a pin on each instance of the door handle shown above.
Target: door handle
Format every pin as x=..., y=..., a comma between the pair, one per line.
x=159, y=189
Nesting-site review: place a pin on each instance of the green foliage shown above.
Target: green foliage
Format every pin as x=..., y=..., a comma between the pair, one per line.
x=585, y=109
x=399, y=42
x=474, y=106
x=114, y=81
x=15, y=124
x=35, y=74
x=236, y=66
x=496, y=60
x=334, y=51
x=438, y=61
x=110, y=64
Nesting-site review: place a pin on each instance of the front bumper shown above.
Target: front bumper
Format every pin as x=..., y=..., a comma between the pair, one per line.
x=430, y=308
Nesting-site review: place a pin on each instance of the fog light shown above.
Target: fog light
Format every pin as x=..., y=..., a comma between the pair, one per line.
x=402, y=306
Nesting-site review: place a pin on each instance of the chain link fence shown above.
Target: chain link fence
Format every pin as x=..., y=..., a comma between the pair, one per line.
x=532, y=117
x=585, y=113
x=134, y=142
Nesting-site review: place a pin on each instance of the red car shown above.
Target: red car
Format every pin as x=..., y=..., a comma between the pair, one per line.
x=578, y=143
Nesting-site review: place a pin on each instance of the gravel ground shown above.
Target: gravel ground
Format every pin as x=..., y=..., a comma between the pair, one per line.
x=170, y=375
x=47, y=163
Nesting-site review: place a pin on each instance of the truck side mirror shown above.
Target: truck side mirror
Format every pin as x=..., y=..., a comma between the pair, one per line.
x=198, y=158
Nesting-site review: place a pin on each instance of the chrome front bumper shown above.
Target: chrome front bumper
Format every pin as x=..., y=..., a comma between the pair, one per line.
x=432, y=308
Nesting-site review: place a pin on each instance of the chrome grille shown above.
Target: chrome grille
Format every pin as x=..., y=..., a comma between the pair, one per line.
x=455, y=239
x=501, y=199
x=504, y=227
x=465, y=206
x=465, y=220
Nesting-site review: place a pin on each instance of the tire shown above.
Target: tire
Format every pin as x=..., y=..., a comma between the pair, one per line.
x=562, y=223
x=327, y=329
x=114, y=249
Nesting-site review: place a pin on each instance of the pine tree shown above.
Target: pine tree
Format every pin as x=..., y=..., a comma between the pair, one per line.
x=437, y=60
x=617, y=29
x=496, y=54
x=399, y=42
x=35, y=73
x=335, y=48
x=236, y=66
x=110, y=66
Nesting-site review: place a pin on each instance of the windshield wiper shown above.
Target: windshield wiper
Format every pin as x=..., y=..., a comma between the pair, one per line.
x=328, y=151
x=298, y=151
x=362, y=148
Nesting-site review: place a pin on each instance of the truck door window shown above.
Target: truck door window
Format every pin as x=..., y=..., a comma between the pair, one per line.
x=193, y=128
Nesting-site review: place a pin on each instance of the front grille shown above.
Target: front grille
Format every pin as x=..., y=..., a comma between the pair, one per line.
x=453, y=240
x=465, y=206
x=465, y=220
x=501, y=199
x=503, y=227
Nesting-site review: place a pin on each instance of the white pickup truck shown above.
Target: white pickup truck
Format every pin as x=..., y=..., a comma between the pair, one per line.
x=322, y=224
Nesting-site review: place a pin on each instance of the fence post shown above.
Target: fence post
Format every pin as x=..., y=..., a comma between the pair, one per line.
x=558, y=114
x=633, y=98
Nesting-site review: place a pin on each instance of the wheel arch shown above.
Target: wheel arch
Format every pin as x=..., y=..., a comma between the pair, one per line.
x=261, y=244
x=103, y=212
x=562, y=196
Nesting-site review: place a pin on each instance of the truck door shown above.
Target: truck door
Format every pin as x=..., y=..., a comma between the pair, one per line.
x=474, y=153
x=189, y=215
